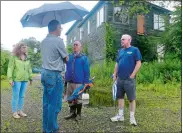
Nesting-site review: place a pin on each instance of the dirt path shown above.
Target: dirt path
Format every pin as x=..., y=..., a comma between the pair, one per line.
x=153, y=118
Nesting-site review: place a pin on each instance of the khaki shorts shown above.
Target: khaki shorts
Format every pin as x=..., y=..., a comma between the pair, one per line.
x=70, y=89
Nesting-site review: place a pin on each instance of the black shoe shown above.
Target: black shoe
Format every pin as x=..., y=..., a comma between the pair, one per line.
x=72, y=113
x=79, y=107
x=70, y=116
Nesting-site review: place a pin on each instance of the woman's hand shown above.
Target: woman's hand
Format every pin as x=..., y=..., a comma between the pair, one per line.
x=12, y=83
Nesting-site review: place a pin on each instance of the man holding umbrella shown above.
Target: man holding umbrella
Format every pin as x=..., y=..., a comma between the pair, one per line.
x=77, y=73
x=53, y=54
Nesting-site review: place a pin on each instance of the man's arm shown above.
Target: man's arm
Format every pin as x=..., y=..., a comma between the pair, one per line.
x=115, y=71
x=62, y=51
x=137, y=67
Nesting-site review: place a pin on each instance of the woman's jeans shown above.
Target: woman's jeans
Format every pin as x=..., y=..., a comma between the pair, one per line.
x=18, y=93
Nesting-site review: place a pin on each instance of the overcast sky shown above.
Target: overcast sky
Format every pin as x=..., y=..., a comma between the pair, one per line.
x=11, y=28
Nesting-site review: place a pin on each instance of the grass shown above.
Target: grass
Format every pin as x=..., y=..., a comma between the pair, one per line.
x=157, y=110
x=158, y=105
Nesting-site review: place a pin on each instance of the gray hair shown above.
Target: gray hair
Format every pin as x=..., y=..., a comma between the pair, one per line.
x=126, y=36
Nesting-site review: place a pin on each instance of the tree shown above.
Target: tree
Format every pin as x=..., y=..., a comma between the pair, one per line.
x=35, y=58
x=172, y=36
x=5, y=55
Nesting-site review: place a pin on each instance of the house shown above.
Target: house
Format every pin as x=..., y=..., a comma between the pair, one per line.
x=91, y=29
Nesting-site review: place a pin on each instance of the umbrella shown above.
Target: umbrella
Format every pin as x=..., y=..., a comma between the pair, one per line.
x=63, y=12
x=79, y=91
x=114, y=90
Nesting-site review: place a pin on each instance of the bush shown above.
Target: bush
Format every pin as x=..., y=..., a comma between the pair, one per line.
x=164, y=72
x=3, y=77
x=167, y=72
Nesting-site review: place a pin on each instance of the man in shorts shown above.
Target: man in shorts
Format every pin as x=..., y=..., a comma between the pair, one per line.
x=128, y=63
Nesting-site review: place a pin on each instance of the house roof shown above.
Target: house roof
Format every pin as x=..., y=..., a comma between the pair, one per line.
x=75, y=23
x=97, y=6
x=156, y=6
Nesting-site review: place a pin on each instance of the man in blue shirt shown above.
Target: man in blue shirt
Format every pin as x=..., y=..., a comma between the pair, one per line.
x=128, y=63
x=77, y=73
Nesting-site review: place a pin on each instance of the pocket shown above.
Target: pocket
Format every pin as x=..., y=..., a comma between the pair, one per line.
x=50, y=80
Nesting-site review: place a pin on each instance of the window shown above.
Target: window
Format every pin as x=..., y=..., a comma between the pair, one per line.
x=159, y=22
x=120, y=15
x=100, y=16
x=74, y=38
x=88, y=27
x=81, y=33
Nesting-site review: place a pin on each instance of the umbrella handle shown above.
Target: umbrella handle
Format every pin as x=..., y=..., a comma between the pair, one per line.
x=81, y=90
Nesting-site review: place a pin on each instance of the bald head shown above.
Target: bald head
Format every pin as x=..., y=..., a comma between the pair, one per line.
x=77, y=46
x=126, y=40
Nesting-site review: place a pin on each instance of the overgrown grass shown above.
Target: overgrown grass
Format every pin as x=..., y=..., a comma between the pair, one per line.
x=162, y=79
x=152, y=72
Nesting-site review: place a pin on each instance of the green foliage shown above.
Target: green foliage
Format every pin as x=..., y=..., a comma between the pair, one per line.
x=111, y=49
x=69, y=48
x=5, y=84
x=103, y=73
x=135, y=7
x=148, y=47
x=3, y=77
x=35, y=58
x=5, y=55
x=172, y=37
x=85, y=49
x=167, y=72
x=164, y=72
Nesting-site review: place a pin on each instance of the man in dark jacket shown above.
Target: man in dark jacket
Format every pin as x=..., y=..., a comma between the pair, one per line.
x=77, y=73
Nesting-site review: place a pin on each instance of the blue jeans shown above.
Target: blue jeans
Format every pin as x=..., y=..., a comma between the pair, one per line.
x=18, y=93
x=52, y=99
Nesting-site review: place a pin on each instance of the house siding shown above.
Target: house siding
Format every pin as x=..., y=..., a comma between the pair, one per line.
x=96, y=38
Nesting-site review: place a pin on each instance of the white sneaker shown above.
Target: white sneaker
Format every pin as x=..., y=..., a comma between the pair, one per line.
x=22, y=114
x=133, y=121
x=15, y=115
x=117, y=118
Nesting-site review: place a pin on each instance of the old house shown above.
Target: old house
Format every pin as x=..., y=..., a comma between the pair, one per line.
x=91, y=30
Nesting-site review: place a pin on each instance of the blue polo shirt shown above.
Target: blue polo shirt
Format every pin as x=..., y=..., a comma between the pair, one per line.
x=126, y=60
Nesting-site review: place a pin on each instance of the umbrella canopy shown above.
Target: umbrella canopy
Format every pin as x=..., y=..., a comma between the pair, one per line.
x=114, y=90
x=80, y=90
x=63, y=12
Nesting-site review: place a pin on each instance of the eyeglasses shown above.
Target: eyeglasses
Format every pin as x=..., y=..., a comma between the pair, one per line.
x=123, y=39
x=75, y=44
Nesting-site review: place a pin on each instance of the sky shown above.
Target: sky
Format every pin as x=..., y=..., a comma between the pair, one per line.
x=11, y=28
